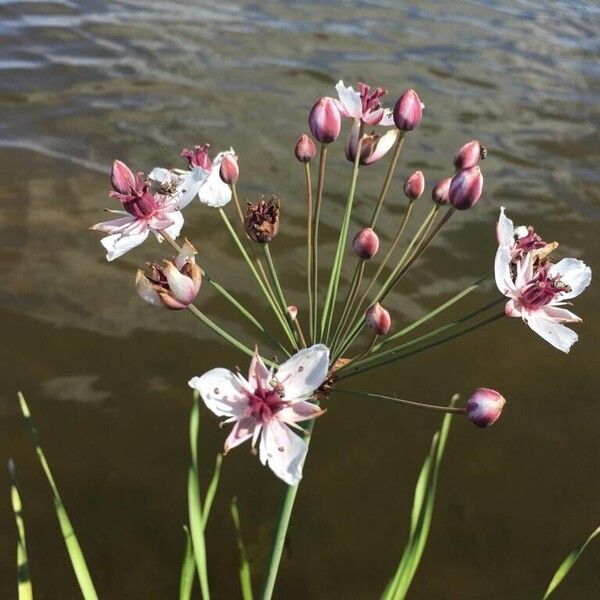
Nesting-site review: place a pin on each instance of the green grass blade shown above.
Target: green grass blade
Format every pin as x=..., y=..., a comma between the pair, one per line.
x=212, y=488
x=566, y=565
x=195, y=503
x=24, y=587
x=73, y=548
x=245, y=575
x=421, y=515
x=188, y=569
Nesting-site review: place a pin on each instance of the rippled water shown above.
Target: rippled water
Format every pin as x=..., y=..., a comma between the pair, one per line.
x=84, y=82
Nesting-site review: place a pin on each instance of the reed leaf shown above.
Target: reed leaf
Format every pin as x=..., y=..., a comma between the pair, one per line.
x=568, y=563
x=73, y=548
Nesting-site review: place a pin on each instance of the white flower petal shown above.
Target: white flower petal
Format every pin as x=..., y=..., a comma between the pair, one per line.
x=146, y=290
x=214, y=192
x=502, y=273
x=575, y=273
x=258, y=374
x=350, y=101
x=299, y=411
x=304, y=372
x=388, y=118
x=222, y=392
x=383, y=146
x=115, y=225
x=189, y=186
x=554, y=333
x=283, y=451
x=562, y=315
x=181, y=286
x=242, y=431
x=118, y=244
x=504, y=229
x=174, y=229
x=161, y=176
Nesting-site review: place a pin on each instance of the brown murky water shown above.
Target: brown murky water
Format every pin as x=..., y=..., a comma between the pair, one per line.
x=84, y=82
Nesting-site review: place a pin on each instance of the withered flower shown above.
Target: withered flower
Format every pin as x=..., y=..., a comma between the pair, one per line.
x=262, y=219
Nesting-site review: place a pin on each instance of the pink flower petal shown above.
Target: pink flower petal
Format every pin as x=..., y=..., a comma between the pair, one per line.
x=283, y=451
x=304, y=372
x=222, y=392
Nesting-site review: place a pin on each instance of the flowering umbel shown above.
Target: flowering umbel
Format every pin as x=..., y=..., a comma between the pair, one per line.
x=267, y=405
x=261, y=221
x=174, y=285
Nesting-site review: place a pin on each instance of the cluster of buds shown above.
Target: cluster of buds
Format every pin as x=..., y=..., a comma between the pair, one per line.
x=261, y=221
x=173, y=285
x=466, y=186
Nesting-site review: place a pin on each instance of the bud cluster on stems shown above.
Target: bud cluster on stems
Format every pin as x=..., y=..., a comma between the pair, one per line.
x=484, y=407
x=325, y=121
x=365, y=243
x=378, y=319
x=305, y=149
x=414, y=185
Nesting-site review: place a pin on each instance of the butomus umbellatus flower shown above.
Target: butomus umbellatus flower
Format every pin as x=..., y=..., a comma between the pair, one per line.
x=265, y=406
x=173, y=285
x=364, y=105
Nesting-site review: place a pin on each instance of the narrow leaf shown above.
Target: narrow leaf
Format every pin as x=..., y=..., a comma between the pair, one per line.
x=188, y=569
x=24, y=587
x=566, y=565
x=245, y=575
x=73, y=548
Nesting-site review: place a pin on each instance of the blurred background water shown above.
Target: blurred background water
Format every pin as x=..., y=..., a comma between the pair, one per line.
x=84, y=82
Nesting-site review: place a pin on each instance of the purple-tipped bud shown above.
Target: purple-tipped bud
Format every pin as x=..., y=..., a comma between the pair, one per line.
x=484, y=406
x=230, y=170
x=305, y=149
x=365, y=243
x=414, y=185
x=408, y=111
x=325, y=121
x=378, y=319
x=121, y=178
x=469, y=155
x=465, y=188
x=441, y=192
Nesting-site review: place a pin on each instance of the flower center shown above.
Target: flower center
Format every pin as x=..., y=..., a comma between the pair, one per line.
x=264, y=404
x=542, y=289
x=142, y=206
x=371, y=99
x=527, y=243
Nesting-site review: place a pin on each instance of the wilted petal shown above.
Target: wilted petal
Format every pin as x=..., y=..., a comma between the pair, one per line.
x=146, y=290
x=575, y=273
x=383, y=146
x=242, y=431
x=186, y=254
x=181, y=287
x=118, y=244
x=222, y=392
x=554, y=333
x=283, y=451
x=304, y=372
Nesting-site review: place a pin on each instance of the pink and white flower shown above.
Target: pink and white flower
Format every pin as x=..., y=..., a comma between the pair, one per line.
x=267, y=404
x=521, y=240
x=145, y=212
x=203, y=179
x=537, y=293
x=364, y=105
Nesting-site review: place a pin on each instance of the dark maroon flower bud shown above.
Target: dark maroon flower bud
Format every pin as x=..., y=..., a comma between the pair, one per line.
x=262, y=219
x=378, y=319
x=229, y=170
x=305, y=149
x=484, y=407
x=469, y=155
x=465, y=188
x=325, y=121
x=441, y=192
x=365, y=243
x=408, y=111
x=414, y=185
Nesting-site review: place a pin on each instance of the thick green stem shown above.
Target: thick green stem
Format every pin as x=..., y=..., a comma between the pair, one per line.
x=339, y=253
x=315, y=240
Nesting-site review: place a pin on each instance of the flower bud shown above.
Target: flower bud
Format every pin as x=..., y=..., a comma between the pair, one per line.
x=198, y=157
x=484, y=407
x=292, y=311
x=174, y=285
x=465, y=188
x=378, y=319
x=441, y=192
x=469, y=155
x=230, y=170
x=262, y=220
x=365, y=243
x=325, y=121
x=414, y=185
x=408, y=111
x=305, y=149
x=121, y=178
